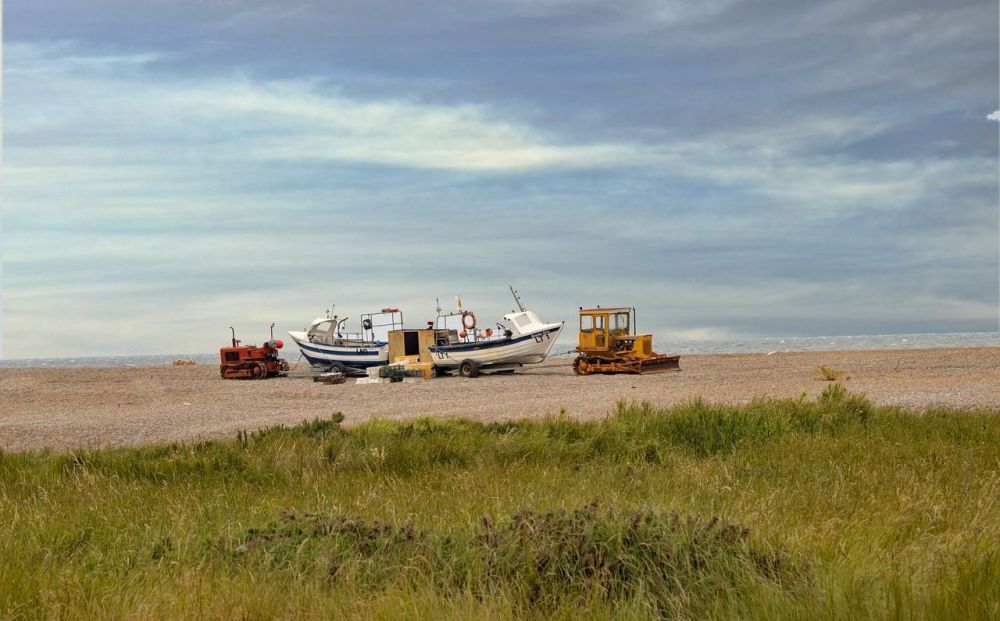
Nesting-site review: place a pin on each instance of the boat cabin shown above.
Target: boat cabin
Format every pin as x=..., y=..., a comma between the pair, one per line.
x=326, y=330
x=524, y=322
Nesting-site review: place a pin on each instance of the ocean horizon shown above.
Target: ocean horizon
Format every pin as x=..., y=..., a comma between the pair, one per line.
x=732, y=346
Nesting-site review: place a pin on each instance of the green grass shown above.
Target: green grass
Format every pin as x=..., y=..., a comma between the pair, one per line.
x=826, y=508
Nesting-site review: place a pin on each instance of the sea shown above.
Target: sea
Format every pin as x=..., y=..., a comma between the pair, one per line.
x=736, y=346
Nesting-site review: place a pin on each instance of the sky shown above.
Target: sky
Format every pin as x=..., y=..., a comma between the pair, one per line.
x=732, y=168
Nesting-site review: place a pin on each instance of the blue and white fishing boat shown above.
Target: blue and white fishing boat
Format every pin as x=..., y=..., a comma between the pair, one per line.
x=326, y=344
x=524, y=339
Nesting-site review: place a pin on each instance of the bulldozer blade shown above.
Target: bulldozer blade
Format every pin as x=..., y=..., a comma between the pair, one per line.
x=606, y=366
x=660, y=364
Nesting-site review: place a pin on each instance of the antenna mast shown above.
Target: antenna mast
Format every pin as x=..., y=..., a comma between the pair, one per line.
x=517, y=299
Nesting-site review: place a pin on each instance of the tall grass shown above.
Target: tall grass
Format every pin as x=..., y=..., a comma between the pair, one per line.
x=830, y=508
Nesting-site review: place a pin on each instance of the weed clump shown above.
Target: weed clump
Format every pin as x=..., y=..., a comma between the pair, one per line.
x=548, y=557
x=340, y=547
x=315, y=428
x=828, y=374
x=544, y=560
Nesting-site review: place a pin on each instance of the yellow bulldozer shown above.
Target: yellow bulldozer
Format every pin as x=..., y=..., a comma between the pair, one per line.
x=609, y=344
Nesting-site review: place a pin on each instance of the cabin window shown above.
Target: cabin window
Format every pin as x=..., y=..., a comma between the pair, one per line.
x=589, y=323
x=619, y=323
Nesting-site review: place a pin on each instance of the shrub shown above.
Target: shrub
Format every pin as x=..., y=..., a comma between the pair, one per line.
x=827, y=374
x=544, y=559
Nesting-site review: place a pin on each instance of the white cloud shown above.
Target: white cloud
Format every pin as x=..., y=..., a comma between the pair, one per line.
x=318, y=126
x=134, y=120
x=994, y=116
x=280, y=120
x=114, y=170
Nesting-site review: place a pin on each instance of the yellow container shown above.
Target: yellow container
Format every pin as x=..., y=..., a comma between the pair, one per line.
x=425, y=368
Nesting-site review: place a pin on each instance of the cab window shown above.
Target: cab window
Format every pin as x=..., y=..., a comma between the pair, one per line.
x=619, y=323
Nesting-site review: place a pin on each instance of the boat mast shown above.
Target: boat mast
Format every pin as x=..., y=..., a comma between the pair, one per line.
x=513, y=292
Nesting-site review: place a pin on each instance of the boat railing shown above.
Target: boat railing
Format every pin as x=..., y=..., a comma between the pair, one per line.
x=468, y=335
x=388, y=319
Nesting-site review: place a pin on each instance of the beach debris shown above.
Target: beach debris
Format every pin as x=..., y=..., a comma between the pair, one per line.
x=334, y=377
x=183, y=362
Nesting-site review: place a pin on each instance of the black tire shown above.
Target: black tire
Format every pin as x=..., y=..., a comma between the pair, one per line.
x=339, y=367
x=468, y=368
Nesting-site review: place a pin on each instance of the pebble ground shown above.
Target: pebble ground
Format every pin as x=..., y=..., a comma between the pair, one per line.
x=71, y=408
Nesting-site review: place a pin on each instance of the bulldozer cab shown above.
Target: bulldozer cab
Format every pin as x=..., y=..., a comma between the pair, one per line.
x=602, y=329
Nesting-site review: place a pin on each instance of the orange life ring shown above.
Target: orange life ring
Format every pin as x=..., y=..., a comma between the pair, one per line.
x=465, y=323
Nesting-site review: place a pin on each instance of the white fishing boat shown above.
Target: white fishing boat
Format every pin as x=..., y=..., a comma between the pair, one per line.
x=523, y=339
x=327, y=345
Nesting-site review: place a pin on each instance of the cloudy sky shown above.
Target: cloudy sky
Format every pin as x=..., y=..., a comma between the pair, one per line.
x=734, y=169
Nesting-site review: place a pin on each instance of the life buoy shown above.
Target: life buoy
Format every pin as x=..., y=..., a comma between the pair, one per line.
x=367, y=324
x=466, y=316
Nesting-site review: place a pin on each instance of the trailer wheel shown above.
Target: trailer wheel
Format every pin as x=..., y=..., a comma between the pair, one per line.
x=339, y=367
x=469, y=368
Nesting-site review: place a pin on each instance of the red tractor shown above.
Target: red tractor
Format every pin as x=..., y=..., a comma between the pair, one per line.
x=250, y=361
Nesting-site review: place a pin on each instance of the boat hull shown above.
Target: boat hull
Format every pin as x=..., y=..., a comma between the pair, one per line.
x=323, y=355
x=529, y=348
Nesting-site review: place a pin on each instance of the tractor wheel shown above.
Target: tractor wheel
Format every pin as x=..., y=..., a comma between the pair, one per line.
x=468, y=368
x=581, y=366
x=256, y=371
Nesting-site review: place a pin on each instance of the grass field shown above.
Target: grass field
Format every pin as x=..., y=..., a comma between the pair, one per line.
x=832, y=508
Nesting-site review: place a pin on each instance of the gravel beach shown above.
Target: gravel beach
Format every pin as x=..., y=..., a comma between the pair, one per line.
x=70, y=408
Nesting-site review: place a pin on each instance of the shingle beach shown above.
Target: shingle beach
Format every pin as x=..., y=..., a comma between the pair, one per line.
x=71, y=408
